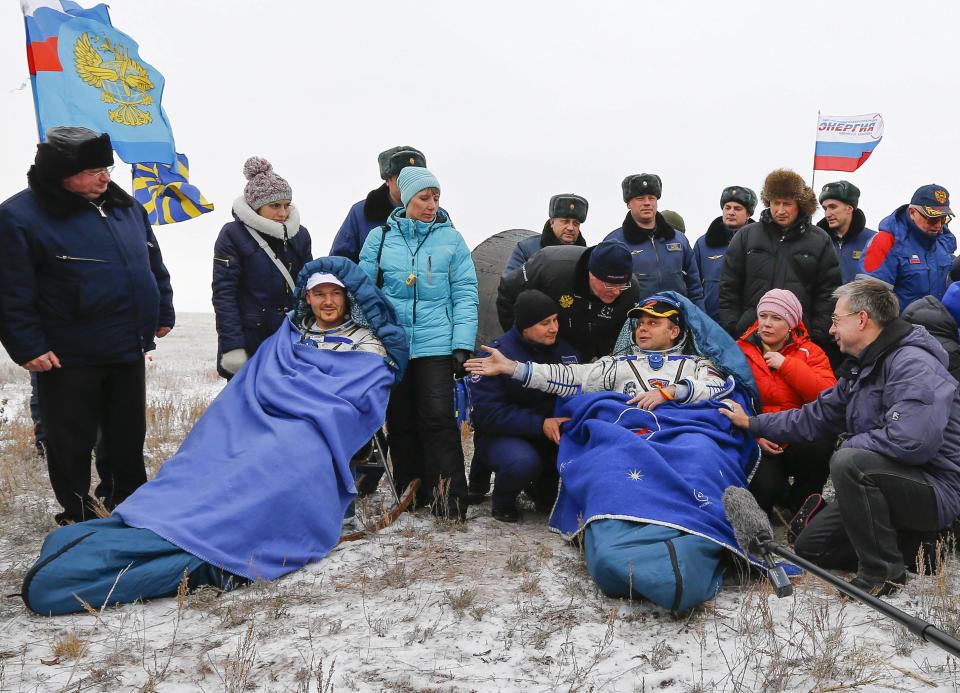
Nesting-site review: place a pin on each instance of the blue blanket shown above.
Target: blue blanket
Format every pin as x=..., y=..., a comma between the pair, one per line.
x=260, y=485
x=667, y=467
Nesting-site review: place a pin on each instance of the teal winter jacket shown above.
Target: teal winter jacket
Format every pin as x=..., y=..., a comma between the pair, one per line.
x=429, y=277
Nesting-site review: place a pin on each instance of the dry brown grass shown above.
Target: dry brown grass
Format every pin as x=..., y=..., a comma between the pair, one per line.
x=20, y=467
x=168, y=420
x=69, y=646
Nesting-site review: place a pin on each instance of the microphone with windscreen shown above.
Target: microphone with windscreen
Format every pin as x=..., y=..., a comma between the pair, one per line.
x=755, y=536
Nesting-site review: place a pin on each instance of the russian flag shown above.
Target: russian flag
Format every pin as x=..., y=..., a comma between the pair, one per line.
x=43, y=20
x=845, y=142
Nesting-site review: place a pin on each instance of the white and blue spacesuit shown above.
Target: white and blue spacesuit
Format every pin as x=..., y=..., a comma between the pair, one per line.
x=695, y=377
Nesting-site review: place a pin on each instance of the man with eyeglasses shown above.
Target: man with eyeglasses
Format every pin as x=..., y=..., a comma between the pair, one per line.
x=83, y=294
x=913, y=249
x=896, y=470
x=662, y=257
x=591, y=285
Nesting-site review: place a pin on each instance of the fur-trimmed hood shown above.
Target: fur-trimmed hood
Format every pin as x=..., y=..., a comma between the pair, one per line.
x=61, y=203
x=245, y=214
x=634, y=234
x=784, y=184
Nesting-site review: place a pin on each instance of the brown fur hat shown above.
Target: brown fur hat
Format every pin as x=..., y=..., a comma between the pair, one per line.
x=784, y=184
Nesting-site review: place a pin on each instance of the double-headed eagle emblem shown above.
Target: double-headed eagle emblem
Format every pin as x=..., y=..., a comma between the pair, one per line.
x=124, y=81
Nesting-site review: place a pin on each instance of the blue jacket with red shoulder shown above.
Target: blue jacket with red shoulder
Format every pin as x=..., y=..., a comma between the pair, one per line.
x=501, y=405
x=914, y=263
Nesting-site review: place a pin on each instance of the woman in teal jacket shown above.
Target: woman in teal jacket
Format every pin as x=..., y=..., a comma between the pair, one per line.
x=423, y=266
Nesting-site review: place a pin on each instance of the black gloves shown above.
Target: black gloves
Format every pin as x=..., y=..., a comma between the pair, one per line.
x=459, y=356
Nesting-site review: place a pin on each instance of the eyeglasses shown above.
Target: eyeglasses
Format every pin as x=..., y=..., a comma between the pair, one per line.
x=933, y=222
x=836, y=318
x=937, y=221
x=616, y=287
x=94, y=172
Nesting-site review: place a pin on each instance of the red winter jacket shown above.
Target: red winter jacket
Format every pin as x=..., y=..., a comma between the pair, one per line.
x=805, y=372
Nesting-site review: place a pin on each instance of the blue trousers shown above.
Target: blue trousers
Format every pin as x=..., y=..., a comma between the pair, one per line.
x=105, y=559
x=520, y=464
x=670, y=568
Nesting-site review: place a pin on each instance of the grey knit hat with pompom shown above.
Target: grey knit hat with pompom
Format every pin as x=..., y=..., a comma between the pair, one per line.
x=263, y=185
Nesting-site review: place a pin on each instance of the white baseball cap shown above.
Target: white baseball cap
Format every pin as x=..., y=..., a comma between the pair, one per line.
x=322, y=278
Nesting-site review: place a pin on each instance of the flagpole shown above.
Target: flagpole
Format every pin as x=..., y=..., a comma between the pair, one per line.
x=813, y=173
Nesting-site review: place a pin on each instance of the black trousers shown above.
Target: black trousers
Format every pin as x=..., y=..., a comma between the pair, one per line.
x=76, y=403
x=883, y=510
x=807, y=463
x=423, y=435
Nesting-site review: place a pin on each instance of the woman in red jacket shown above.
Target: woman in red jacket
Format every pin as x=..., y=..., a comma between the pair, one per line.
x=790, y=371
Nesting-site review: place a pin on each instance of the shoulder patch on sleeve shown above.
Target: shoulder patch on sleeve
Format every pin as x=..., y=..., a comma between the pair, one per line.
x=877, y=250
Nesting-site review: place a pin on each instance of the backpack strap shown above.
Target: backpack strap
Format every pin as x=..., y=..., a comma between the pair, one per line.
x=273, y=257
x=383, y=237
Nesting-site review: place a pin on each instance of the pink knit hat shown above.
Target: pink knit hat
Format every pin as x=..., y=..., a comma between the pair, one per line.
x=784, y=304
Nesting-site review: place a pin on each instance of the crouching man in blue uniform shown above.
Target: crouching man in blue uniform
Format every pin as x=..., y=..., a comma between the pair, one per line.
x=516, y=433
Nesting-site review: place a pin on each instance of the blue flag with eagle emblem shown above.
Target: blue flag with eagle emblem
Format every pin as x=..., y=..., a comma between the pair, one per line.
x=86, y=73
x=166, y=193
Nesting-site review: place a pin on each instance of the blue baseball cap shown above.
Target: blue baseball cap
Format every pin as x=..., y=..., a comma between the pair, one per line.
x=932, y=201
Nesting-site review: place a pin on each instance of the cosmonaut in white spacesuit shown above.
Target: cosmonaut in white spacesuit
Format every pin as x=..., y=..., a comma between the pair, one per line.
x=654, y=371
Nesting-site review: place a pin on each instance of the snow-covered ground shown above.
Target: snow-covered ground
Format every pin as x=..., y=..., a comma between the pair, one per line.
x=430, y=607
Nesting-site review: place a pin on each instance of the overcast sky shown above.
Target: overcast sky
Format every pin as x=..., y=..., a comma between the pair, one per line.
x=512, y=102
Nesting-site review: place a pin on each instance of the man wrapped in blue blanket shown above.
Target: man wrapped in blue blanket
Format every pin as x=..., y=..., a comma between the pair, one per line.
x=231, y=505
x=643, y=486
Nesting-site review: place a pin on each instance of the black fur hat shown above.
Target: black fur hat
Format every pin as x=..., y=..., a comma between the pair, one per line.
x=842, y=190
x=641, y=184
x=740, y=194
x=784, y=184
x=568, y=206
x=69, y=150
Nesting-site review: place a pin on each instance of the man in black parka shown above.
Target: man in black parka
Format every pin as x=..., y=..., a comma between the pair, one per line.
x=591, y=285
x=784, y=250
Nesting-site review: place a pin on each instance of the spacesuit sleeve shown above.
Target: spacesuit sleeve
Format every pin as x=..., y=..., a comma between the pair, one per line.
x=706, y=382
x=568, y=379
